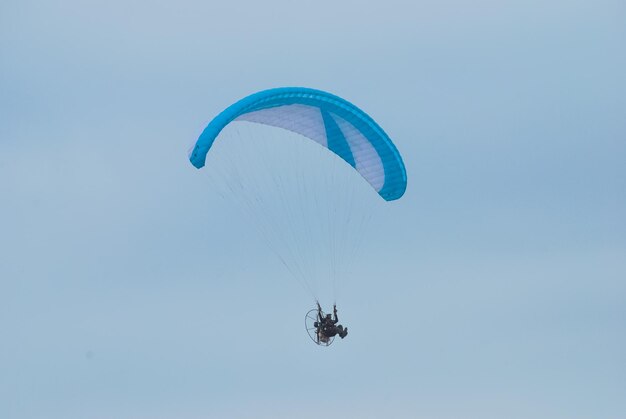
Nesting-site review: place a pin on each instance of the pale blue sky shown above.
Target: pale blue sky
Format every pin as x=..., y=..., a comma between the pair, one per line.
x=124, y=292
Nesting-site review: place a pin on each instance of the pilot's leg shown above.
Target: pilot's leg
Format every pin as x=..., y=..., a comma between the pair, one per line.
x=343, y=332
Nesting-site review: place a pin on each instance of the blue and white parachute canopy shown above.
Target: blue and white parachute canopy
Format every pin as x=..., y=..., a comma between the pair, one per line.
x=326, y=119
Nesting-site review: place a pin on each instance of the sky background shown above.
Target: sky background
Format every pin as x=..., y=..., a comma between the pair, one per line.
x=496, y=288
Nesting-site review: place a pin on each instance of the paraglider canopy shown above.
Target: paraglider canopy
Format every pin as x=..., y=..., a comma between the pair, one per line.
x=326, y=119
